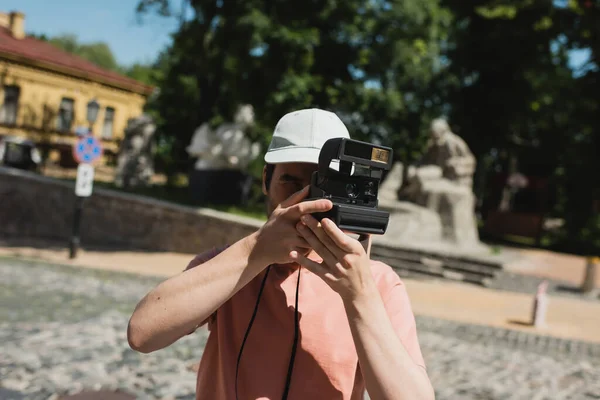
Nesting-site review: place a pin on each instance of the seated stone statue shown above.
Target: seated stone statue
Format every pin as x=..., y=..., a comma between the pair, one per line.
x=409, y=222
x=447, y=161
x=442, y=183
x=227, y=147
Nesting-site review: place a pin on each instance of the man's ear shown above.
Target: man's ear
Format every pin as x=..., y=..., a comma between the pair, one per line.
x=264, y=180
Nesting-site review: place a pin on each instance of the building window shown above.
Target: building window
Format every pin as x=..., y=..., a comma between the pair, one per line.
x=107, y=128
x=10, y=106
x=65, y=115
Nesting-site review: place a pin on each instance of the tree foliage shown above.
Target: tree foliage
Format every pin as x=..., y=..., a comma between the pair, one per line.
x=580, y=182
x=499, y=69
x=370, y=62
x=513, y=94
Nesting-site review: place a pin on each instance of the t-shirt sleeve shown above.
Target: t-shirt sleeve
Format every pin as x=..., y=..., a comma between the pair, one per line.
x=397, y=304
x=195, y=262
x=204, y=257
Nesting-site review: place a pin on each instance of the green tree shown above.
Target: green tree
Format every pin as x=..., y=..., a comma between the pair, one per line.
x=580, y=183
x=279, y=56
x=501, y=59
x=513, y=93
x=146, y=73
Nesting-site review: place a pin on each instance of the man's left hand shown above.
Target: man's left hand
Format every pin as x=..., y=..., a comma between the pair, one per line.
x=345, y=265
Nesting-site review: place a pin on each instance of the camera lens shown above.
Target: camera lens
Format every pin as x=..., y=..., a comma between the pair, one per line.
x=351, y=190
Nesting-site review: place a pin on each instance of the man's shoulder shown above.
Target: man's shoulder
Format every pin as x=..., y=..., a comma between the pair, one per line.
x=205, y=256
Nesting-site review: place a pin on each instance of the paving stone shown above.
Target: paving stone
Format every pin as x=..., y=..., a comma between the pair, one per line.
x=63, y=332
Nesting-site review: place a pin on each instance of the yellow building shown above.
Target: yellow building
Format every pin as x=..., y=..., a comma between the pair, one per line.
x=44, y=93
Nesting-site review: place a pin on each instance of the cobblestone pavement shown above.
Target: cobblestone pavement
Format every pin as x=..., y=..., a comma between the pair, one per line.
x=63, y=330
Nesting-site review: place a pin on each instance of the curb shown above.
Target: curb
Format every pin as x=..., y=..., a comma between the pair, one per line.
x=518, y=340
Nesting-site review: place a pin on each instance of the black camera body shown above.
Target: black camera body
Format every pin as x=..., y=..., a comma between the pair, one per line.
x=353, y=193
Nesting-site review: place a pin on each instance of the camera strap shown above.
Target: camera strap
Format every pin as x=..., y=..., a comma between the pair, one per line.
x=288, y=379
x=237, y=367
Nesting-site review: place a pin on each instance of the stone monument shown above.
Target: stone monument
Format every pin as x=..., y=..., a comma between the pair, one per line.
x=135, y=164
x=409, y=222
x=227, y=147
x=436, y=205
x=433, y=230
x=223, y=155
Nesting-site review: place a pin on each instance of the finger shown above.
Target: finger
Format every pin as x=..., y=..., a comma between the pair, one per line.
x=304, y=251
x=295, y=198
x=338, y=237
x=323, y=237
x=310, y=207
x=328, y=257
x=299, y=241
x=312, y=266
x=300, y=244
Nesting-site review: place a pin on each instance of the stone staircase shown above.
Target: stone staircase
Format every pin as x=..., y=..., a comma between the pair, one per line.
x=419, y=263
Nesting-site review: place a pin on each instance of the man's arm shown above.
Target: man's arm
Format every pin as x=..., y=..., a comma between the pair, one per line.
x=389, y=370
x=386, y=364
x=178, y=305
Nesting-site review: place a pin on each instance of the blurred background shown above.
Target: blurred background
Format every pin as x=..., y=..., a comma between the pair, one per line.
x=181, y=98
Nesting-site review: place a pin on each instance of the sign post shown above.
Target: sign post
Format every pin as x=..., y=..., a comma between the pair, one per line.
x=86, y=151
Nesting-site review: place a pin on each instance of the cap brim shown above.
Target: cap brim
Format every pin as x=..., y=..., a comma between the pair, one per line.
x=298, y=155
x=293, y=155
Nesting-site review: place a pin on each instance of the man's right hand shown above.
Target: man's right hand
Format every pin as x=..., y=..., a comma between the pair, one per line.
x=178, y=305
x=279, y=236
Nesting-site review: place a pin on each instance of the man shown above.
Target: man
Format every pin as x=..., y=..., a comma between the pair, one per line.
x=355, y=327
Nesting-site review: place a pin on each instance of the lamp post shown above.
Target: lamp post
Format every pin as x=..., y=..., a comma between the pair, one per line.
x=92, y=113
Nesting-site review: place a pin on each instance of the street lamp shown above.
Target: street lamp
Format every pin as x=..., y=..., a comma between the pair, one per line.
x=92, y=112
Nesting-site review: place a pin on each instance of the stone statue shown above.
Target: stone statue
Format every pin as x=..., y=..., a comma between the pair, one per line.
x=451, y=153
x=135, y=165
x=223, y=155
x=227, y=147
x=447, y=161
x=436, y=203
x=389, y=189
x=408, y=221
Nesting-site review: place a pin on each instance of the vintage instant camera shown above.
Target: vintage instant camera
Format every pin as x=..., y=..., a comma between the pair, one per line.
x=354, y=187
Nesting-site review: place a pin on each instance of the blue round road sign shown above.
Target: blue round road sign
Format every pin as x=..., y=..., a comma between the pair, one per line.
x=87, y=150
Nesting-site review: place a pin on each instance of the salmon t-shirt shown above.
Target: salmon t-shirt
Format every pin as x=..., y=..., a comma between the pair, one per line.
x=326, y=364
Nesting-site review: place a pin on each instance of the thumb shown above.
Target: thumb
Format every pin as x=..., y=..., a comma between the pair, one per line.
x=295, y=198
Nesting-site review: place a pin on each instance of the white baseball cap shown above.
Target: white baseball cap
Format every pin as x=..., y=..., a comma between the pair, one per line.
x=300, y=135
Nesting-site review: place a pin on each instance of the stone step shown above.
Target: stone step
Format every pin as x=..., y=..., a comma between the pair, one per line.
x=438, y=263
x=416, y=273
x=490, y=270
x=485, y=262
x=432, y=270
